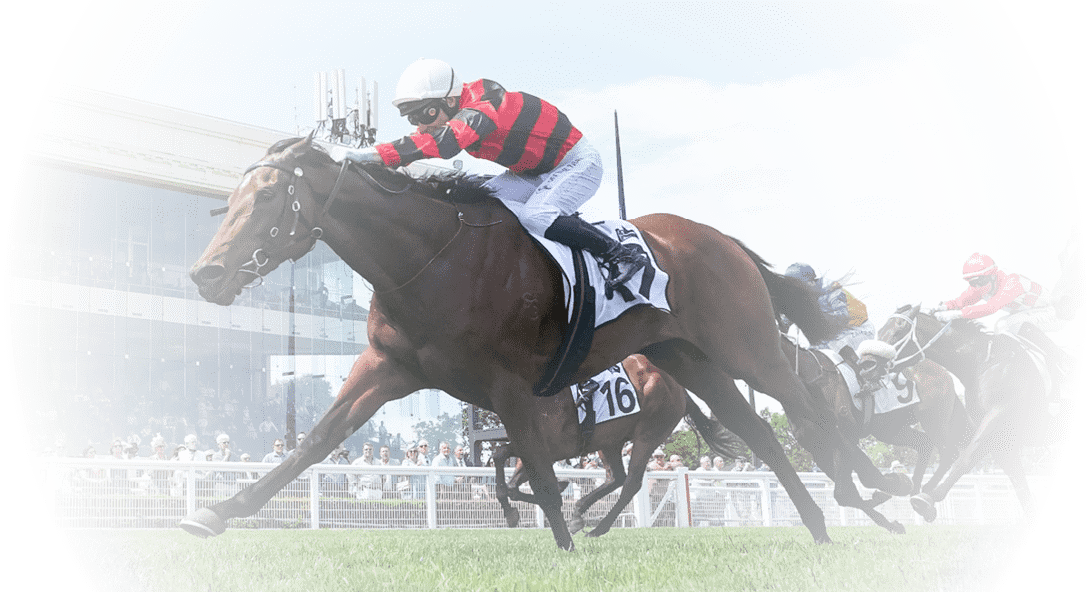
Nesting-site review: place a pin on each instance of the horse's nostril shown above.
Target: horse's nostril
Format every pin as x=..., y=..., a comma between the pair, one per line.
x=208, y=273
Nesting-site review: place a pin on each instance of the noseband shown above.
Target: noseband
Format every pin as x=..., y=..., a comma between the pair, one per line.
x=912, y=337
x=315, y=232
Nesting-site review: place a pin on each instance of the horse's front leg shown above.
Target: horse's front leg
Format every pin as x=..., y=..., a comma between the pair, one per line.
x=993, y=424
x=375, y=379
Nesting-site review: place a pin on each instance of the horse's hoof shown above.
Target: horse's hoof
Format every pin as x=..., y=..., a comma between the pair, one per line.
x=575, y=524
x=598, y=531
x=897, y=528
x=822, y=539
x=923, y=505
x=512, y=516
x=879, y=497
x=203, y=523
x=568, y=546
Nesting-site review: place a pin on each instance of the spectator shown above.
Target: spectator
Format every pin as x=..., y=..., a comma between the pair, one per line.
x=675, y=462
x=445, y=481
x=411, y=486
x=158, y=448
x=369, y=486
x=118, y=477
x=421, y=453
x=658, y=462
x=739, y=464
x=705, y=467
x=625, y=457
x=248, y=476
x=461, y=457
x=720, y=463
x=223, y=441
x=336, y=484
x=160, y=480
x=277, y=455
x=190, y=451
x=92, y=475
x=384, y=460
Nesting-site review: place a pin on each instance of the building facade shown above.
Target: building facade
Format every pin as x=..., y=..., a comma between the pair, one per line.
x=111, y=338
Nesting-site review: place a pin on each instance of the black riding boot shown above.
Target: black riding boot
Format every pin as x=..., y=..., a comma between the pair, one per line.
x=622, y=261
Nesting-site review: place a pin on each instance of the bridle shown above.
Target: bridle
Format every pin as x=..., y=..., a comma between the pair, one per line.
x=315, y=233
x=912, y=337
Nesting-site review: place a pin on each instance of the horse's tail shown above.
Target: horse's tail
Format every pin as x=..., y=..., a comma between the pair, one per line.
x=721, y=440
x=797, y=300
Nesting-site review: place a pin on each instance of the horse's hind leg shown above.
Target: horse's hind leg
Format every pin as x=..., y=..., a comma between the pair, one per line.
x=637, y=466
x=502, y=494
x=373, y=381
x=614, y=478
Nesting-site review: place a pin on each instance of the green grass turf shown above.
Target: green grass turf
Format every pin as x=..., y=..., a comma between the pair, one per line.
x=660, y=559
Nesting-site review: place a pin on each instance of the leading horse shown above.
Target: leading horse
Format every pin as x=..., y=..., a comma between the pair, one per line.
x=997, y=372
x=466, y=302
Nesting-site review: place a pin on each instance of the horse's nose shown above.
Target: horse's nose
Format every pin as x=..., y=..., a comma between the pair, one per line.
x=207, y=273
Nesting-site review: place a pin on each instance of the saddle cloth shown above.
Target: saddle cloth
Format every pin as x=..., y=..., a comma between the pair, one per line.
x=611, y=394
x=896, y=392
x=648, y=287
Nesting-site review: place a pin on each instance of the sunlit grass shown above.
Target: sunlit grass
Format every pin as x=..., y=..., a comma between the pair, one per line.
x=658, y=559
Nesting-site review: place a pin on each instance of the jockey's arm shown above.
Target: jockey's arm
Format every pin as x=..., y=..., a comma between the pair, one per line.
x=468, y=126
x=1007, y=292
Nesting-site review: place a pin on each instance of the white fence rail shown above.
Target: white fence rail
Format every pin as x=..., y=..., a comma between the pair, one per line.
x=147, y=494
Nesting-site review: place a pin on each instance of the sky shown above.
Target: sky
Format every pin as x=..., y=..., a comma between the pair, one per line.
x=886, y=140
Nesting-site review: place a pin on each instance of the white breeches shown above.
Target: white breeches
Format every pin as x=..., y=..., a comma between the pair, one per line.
x=1044, y=318
x=539, y=200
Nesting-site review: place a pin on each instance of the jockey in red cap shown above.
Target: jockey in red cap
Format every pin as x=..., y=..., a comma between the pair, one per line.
x=1029, y=305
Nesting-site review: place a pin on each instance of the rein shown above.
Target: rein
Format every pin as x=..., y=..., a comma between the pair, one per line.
x=912, y=337
x=462, y=224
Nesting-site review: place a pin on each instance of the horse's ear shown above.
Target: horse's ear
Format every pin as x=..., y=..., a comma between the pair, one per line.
x=310, y=138
x=915, y=309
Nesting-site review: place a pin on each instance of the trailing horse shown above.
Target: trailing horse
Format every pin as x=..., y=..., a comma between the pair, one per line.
x=661, y=402
x=998, y=374
x=939, y=412
x=467, y=302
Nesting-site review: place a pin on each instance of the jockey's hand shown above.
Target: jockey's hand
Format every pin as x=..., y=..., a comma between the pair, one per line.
x=358, y=155
x=946, y=316
x=940, y=306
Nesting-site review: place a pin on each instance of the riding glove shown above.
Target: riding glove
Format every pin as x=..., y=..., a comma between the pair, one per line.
x=339, y=153
x=946, y=316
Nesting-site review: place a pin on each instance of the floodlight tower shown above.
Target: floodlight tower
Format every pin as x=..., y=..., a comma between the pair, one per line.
x=334, y=122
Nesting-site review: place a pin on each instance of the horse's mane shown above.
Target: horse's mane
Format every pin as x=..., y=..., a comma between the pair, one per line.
x=460, y=188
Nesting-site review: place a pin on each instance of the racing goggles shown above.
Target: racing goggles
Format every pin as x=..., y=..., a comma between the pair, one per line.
x=424, y=114
x=978, y=281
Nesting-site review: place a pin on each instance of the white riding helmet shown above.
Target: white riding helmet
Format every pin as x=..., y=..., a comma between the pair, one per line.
x=425, y=79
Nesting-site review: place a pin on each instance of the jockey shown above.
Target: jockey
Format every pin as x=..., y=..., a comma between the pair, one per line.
x=551, y=169
x=1031, y=311
x=846, y=310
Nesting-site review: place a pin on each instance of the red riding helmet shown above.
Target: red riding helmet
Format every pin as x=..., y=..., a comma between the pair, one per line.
x=979, y=265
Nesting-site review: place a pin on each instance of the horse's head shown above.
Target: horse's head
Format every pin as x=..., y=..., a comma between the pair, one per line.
x=894, y=340
x=266, y=221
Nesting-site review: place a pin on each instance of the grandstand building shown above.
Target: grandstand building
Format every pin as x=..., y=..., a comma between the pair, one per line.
x=112, y=338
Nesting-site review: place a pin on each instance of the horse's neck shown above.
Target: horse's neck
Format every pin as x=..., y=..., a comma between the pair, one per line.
x=388, y=238
x=961, y=357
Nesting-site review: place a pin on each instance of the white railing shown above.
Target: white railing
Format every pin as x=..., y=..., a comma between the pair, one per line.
x=147, y=494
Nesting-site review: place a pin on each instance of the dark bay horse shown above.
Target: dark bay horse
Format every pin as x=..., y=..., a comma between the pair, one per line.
x=1010, y=408
x=466, y=302
x=940, y=414
x=662, y=404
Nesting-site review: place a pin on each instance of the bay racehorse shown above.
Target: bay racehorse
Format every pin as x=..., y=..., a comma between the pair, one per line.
x=466, y=302
x=939, y=412
x=1008, y=392
x=662, y=404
